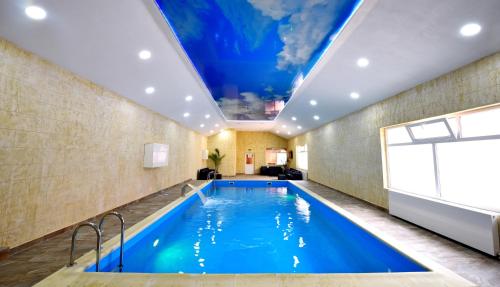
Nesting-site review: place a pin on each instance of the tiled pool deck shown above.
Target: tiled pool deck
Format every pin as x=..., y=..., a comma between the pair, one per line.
x=33, y=264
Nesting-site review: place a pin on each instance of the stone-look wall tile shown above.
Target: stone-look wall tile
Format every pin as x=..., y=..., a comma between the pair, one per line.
x=235, y=143
x=7, y=138
x=257, y=142
x=70, y=149
x=226, y=143
x=346, y=153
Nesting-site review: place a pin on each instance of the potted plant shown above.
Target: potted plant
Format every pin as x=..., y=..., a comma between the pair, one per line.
x=216, y=158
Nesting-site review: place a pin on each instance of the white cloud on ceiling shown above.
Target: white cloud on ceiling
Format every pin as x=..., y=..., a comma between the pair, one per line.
x=309, y=23
x=249, y=106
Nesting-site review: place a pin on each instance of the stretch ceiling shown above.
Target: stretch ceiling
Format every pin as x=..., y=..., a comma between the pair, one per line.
x=406, y=42
x=252, y=55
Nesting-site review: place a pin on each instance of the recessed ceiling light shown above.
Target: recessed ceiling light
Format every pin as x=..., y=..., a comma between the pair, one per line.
x=313, y=102
x=216, y=125
x=363, y=62
x=294, y=118
x=283, y=126
x=316, y=117
x=188, y=98
x=149, y=90
x=202, y=125
x=211, y=131
x=289, y=133
x=299, y=127
x=144, y=54
x=186, y=115
x=470, y=29
x=35, y=12
x=207, y=116
x=354, y=95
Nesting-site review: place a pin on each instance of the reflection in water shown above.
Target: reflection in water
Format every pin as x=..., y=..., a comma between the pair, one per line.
x=281, y=190
x=295, y=261
x=303, y=208
x=301, y=242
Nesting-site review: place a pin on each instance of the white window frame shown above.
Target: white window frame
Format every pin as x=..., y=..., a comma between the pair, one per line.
x=434, y=141
x=301, y=149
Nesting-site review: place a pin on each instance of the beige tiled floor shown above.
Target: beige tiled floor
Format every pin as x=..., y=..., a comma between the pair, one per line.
x=35, y=263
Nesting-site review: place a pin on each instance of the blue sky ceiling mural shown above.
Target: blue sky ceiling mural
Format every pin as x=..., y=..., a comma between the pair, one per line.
x=252, y=54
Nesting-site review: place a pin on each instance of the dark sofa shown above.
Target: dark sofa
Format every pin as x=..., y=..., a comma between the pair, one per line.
x=271, y=170
x=293, y=174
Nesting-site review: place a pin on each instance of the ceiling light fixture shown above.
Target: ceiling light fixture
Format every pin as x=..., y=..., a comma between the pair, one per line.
x=186, y=115
x=470, y=29
x=211, y=131
x=188, y=98
x=207, y=116
x=35, y=12
x=294, y=118
x=149, y=90
x=363, y=62
x=216, y=125
x=316, y=117
x=354, y=95
x=283, y=126
x=289, y=133
x=313, y=102
x=202, y=125
x=144, y=54
x=277, y=132
x=299, y=127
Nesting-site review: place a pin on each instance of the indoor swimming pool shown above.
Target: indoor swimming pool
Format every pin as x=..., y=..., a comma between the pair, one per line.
x=248, y=227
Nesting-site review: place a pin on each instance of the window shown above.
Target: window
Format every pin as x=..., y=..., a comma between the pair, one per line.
x=281, y=158
x=431, y=129
x=398, y=135
x=455, y=158
x=412, y=168
x=301, y=157
x=276, y=156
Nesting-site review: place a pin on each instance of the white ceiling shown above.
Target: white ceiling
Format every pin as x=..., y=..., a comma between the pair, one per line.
x=407, y=42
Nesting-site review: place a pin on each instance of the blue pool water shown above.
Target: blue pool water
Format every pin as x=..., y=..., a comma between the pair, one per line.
x=249, y=227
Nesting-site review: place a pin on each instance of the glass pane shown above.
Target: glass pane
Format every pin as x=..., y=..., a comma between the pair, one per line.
x=281, y=158
x=302, y=160
x=270, y=156
x=411, y=169
x=431, y=130
x=397, y=135
x=484, y=123
x=469, y=173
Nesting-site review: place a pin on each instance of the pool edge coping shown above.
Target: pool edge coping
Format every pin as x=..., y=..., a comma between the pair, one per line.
x=76, y=275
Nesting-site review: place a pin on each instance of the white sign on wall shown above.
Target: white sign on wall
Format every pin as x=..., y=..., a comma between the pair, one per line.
x=155, y=155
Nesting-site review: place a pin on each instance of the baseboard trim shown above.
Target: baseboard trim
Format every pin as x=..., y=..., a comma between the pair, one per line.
x=4, y=252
